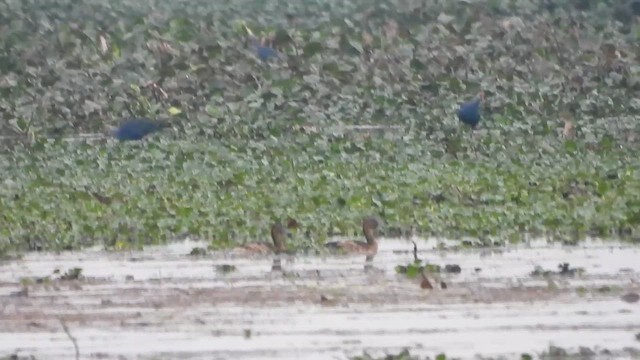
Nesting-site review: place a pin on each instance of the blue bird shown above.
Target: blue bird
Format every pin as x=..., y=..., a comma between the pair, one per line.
x=137, y=128
x=264, y=52
x=469, y=112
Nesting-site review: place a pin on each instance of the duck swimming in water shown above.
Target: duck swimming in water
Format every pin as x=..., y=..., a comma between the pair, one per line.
x=278, y=234
x=370, y=247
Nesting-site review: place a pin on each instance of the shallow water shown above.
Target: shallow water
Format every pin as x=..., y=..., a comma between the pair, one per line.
x=163, y=304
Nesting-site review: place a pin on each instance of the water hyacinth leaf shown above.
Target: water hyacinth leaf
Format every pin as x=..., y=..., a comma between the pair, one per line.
x=174, y=111
x=312, y=48
x=357, y=110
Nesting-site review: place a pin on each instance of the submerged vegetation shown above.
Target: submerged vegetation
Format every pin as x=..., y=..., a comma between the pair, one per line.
x=552, y=353
x=255, y=141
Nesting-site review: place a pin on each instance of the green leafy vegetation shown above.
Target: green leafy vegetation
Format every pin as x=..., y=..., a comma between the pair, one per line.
x=564, y=269
x=254, y=141
x=225, y=268
x=198, y=251
x=551, y=353
x=72, y=274
x=403, y=355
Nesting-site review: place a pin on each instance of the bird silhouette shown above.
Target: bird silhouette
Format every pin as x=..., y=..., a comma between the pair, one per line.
x=264, y=52
x=137, y=128
x=278, y=235
x=469, y=112
x=370, y=247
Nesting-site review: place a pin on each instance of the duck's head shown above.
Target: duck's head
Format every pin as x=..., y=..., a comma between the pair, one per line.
x=278, y=235
x=369, y=228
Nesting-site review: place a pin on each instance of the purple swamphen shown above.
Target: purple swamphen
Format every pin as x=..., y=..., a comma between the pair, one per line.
x=264, y=52
x=469, y=112
x=137, y=128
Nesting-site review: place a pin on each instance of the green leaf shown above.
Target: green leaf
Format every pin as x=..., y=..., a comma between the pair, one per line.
x=312, y=48
x=174, y=111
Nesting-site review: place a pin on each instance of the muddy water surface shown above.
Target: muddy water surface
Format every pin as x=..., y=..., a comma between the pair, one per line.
x=163, y=304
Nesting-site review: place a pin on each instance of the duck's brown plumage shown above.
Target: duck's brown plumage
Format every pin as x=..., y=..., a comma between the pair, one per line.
x=278, y=234
x=370, y=247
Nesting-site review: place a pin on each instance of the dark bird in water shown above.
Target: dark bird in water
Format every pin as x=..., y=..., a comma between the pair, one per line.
x=369, y=227
x=469, y=112
x=137, y=128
